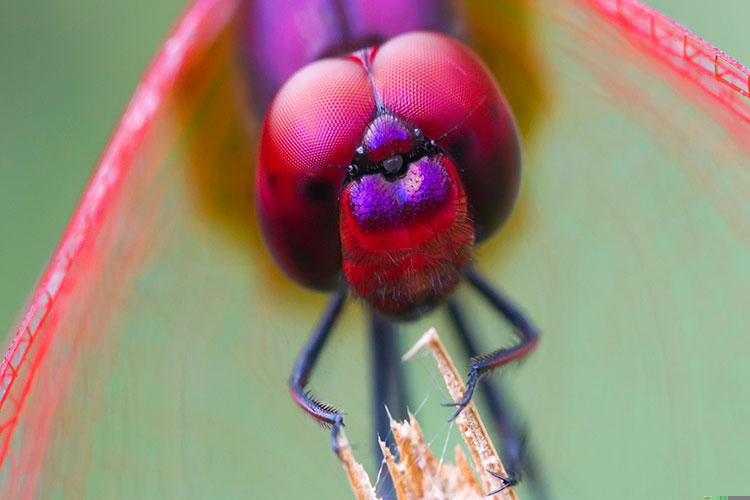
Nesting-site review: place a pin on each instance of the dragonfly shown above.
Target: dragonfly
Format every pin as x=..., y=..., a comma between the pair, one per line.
x=379, y=181
x=139, y=363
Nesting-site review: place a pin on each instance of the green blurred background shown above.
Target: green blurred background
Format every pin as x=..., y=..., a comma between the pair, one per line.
x=67, y=70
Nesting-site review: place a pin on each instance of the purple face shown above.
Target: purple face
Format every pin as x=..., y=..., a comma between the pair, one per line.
x=377, y=203
x=405, y=231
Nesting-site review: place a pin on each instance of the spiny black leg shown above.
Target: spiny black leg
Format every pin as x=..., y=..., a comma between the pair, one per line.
x=396, y=374
x=380, y=333
x=507, y=483
x=388, y=388
x=306, y=359
x=499, y=411
x=527, y=334
x=518, y=460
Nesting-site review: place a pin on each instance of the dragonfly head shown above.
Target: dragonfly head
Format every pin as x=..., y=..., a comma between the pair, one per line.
x=384, y=167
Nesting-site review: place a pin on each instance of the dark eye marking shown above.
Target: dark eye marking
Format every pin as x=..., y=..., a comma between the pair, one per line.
x=318, y=191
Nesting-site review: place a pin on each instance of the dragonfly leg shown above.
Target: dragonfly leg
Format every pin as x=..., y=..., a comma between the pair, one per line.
x=388, y=388
x=507, y=483
x=324, y=413
x=395, y=368
x=388, y=385
x=483, y=364
x=518, y=460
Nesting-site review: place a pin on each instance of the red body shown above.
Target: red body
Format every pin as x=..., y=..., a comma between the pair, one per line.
x=401, y=240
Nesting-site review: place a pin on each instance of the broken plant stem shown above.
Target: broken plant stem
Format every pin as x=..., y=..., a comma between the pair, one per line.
x=416, y=474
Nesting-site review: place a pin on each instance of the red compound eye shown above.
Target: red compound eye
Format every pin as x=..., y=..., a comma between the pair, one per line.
x=311, y=130
x=439, y=85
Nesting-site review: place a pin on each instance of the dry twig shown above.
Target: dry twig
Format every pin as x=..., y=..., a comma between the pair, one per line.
x=417, y=474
